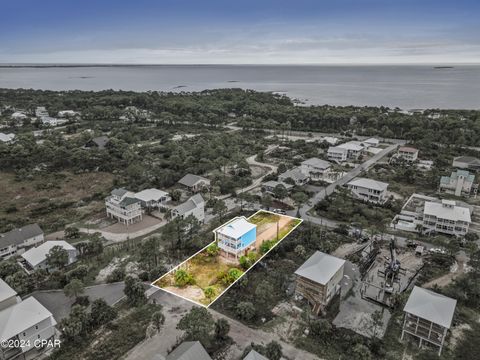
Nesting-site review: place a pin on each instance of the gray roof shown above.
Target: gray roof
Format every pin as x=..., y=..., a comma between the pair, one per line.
x=100, y=141
x=19, y=317
x=320, y=267
x=253, y=355
x=468, y=159
x=294, y=174
x=6, y=291
x=431, y=306
x=273, y=184
x=190, y=180
x=119, y=192
x=316, y=162
x=37, y=255
x=369, y=184
x=189, y=205
x=128, y=201
x=18, y=236
x=189, y=350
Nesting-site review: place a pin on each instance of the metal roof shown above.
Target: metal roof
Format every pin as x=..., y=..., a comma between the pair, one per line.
x=6, y=291
x=189, y=205
x=236, y=228
x=447, y=210
x=295, y=174
x=369, y=184
x=150, y=195
x=37, y=255
x=119, y=192
x=190, y=180
x=431, y=306
x=22, y=316
x=320, y=267
x=189, y=350
x=316, y=162
x=253, y=355
x=408, y=149
x=18, y=236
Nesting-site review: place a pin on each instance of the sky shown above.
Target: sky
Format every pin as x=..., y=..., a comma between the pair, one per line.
x=239, y=31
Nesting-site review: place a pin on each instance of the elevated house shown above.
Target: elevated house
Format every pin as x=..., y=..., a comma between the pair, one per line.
x=124, y=206
x=269, y=186
x=315, y=168
x=459, y=183
x=153, y=198
x=189, y=350
x=99, y=142
x=348, y=151
x=236, y=238
x=446, y=217
x=194, y=183
x=318, y=280
x=16, y=241
x=195, y=206
x=368, y=190
x=36, y=258
x=428, y=317
x=407, y=153
x=24, y=322
x=296, y=175
x=467, y=163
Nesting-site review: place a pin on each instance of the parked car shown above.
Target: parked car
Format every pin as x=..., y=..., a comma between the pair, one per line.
x=280, y=211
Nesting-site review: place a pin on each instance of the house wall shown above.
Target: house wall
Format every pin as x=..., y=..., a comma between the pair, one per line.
x=41, y=331
x=12, y=300
x=248, y=238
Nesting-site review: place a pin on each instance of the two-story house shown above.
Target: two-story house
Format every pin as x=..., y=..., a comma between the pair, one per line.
x=124, y=206
x=318, y=280
x=407, y=153
x=27, y=321
x=368, y=190
x=236, y=238
x=18, y=240
x=459, y=183
x=194, y=183
x=348, y=151
x=446, y=218
x=153, y=198
x=296, y=175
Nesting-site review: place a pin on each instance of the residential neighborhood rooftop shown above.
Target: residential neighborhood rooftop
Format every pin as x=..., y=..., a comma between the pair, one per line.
x=150, y=194
x=19, y=317
x=190, y=179
x=408, y=149
x=17, y=236
x=369, y=183
x=294, y=174
x=38, y=254
x=320, y=267
x=236, y=228
x=189, y=350
x=6, y=291
x=431, y=306
x=253, y=355
x=189, y=205
x=316, y=162
x=447, y=210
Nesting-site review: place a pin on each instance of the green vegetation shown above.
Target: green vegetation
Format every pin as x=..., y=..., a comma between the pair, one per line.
x=183, y=278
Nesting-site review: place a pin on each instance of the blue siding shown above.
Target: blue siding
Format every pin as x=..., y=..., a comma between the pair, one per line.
x=249, y=238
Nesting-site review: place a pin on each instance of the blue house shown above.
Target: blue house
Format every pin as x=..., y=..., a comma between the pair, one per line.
x=236, y=237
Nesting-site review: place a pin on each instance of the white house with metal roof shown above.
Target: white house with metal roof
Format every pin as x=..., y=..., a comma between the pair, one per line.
x=26, y=321
x=36, y=258
x=123, y=206
x=195, y=206
x=153, y=198
x=194, y=183
x=318, y=279
x=466, y=162
x=18, y=240
x=428, y=316
x=368, y=190
x=446, y=217
x=459, y=183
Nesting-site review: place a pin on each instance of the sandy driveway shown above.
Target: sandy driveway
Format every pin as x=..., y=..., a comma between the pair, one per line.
x=271, y=231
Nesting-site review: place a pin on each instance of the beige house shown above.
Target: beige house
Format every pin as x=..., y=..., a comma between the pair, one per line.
x=318, y=279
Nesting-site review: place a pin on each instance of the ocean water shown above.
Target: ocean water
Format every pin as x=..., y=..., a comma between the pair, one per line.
x=403, y=86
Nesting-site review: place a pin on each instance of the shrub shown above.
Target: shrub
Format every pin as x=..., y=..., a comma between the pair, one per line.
x=209, y=292
x=183, y=278
x=266, y=245
x=213, y=250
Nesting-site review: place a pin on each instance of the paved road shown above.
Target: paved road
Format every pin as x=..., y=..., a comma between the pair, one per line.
x=319, y=196
x=174, y=308
x=59, y=305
